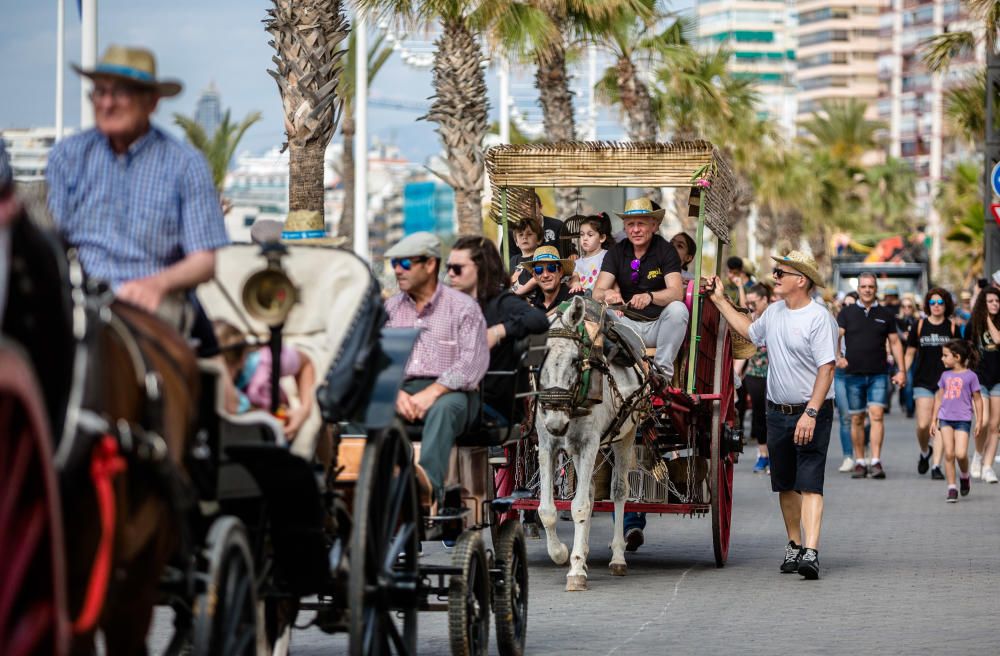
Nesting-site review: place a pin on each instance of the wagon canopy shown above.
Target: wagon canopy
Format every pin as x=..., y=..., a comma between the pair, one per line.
x=613, y=164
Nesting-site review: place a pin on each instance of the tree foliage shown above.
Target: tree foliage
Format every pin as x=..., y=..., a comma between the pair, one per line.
x=221, y=146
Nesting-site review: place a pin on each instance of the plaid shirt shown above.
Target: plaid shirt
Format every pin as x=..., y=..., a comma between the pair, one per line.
x=133, y=215
x=452, y=343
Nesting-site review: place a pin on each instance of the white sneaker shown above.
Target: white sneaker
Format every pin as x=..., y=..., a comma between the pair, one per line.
x=847, y=465
x=989, y=476
x=977, y=466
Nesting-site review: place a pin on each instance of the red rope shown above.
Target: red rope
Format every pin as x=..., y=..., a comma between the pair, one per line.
x=105, y=464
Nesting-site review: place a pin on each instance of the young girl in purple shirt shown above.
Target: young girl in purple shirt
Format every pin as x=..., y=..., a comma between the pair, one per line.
x=958, y=405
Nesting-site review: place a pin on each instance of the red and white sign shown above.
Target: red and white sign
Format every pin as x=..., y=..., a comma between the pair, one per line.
x=995, y=211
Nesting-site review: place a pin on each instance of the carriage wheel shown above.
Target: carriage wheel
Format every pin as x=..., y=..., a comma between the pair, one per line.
x=469, y=597
x=225, y=613
x=33, y=616
x=511, y=592
x=721, y=476
x=382, y=587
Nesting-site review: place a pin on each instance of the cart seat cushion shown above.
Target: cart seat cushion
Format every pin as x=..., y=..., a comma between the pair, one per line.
x=485, y=432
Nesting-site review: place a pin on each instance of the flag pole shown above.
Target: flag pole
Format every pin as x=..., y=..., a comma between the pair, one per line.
x=60, y=64
x=88, y=58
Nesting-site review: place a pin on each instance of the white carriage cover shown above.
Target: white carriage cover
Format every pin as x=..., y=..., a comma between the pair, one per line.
x=332, y=283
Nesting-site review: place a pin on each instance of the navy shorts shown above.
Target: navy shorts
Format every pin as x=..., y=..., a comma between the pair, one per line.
x=964, y=426
x=794, y=467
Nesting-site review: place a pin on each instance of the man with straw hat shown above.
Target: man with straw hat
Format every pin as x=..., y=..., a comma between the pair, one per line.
x=647, y=271
x=548, y=271
x=139, y=206
x=801, y=339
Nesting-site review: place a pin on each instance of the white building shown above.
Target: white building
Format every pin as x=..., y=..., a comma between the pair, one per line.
x=28, y=149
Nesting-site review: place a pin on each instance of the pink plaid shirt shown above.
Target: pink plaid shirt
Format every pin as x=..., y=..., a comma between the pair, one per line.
x=452, y=343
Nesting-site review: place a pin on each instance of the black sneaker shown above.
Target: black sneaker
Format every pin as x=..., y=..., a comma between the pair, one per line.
x=809, y=564
x=952, y=495
x=860, y=470
x=792, y=554
x=936, y=473
x=634, y=539
x=877, y=471
x=964, y=485
x=925, y=462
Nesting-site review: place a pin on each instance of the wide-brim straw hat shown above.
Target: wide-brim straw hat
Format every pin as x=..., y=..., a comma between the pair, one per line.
x=548, y=255
x=804, y=263
x=640, y=208
x=136, y=66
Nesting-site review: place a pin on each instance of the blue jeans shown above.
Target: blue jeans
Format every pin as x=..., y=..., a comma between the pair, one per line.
x=866, y=390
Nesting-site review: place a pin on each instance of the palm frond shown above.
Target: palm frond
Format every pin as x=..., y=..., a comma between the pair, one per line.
x=940, y=49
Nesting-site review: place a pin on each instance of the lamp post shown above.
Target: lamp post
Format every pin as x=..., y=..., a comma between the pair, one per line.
x=991, y=231
x=88, y=58
x=361, y=136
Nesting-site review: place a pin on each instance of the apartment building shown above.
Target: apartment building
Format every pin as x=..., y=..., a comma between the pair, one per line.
x=761, y=36
x=837, y=52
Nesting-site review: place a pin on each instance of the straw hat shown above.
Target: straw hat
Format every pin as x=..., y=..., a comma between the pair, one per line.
x=804, y=263
x=137, y=66
x=640, y=208
x=546, y=255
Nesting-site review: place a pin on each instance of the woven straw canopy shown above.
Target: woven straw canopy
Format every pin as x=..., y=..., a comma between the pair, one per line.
x=612, y=164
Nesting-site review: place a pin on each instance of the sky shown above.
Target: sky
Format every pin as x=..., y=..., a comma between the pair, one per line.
x=197, y=42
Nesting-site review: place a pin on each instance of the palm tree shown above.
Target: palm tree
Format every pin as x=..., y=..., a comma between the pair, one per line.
x=959, y=202
x=377, y=56
x=575, y=21
x=308, y=38
x=941, y=49
x=459, y=105
x=218, y=149
x=840, y=128
x=890, y=189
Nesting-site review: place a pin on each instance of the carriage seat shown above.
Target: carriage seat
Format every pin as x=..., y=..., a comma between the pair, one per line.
x=484, y=431
x=254, y=426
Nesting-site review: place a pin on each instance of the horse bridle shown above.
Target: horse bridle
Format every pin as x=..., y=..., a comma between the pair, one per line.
x=571, y=400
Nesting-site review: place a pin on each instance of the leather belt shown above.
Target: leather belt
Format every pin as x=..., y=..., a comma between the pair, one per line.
x=796, y=409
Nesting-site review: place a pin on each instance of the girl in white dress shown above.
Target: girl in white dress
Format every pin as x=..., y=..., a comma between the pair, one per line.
x=595, y=231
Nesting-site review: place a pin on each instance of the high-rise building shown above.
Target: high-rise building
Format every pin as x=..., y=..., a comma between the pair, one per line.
x=208, y=111
x=761, y=36
x=911, y=98
x=837, y=52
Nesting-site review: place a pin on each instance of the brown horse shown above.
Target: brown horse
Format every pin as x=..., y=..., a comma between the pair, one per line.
x=140, y=379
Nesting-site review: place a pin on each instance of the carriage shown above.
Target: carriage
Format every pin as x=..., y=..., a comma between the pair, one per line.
x=328, y=523
x=688, y=439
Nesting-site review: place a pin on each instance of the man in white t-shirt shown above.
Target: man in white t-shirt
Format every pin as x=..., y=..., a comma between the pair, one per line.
x=801, y=339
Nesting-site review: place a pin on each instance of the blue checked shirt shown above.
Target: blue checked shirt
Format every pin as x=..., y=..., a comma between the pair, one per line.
x=133, y=215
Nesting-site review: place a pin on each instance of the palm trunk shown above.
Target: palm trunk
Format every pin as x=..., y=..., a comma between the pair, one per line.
x=305, y=176
x=552, y=81
x=346, y=228
x=638, y=106
x=460, y=110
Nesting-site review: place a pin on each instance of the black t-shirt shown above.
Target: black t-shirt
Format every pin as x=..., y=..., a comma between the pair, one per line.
x=927, y=368
x=988, y=368
x=525, y=275
x=865, y=336
x=538, y=300
x=551, y=229
x=519, y=319
x=660, y=259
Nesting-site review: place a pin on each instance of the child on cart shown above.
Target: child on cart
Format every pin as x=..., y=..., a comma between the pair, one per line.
x=958, y=406
x=595, y=231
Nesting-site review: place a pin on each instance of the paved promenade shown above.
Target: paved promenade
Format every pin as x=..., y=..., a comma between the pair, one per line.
x=902, y=573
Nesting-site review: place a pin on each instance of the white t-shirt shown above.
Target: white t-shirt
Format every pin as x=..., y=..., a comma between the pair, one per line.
x=798, y=343
x=588, y=268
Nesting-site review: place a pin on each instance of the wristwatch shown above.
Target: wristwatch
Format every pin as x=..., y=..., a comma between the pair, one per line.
x=812, y=412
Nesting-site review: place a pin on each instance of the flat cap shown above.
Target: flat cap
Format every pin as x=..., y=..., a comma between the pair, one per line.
x=419, y=244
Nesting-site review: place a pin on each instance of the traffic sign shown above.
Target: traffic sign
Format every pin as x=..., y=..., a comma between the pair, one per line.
x=995, y=179
x=995, y=211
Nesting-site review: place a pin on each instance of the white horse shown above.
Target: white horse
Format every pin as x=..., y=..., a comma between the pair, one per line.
x=561, y=425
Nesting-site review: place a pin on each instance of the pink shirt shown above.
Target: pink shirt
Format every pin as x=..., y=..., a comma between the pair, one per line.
x=452, y=343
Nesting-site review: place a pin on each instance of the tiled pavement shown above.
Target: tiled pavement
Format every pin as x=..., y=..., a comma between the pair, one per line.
x=902, y=573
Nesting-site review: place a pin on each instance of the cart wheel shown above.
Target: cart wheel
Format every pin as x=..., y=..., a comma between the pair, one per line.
x=721, y=476
x=384, y=577
x=469, y=597
x=33, y=617
x=510, y=594
x=225, y=613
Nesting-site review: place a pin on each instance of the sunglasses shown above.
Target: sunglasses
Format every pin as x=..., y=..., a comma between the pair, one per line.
x=939, y=301
x=781, y=273
x=635, y=270
x=406, y=262
x=456, y=269
x=551, y=268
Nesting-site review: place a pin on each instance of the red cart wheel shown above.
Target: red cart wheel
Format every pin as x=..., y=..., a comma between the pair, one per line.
x=33, y=616
x=721, y=474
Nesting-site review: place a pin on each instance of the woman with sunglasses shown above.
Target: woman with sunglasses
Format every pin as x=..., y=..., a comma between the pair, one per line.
x=923, y=364
x=984, y=333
